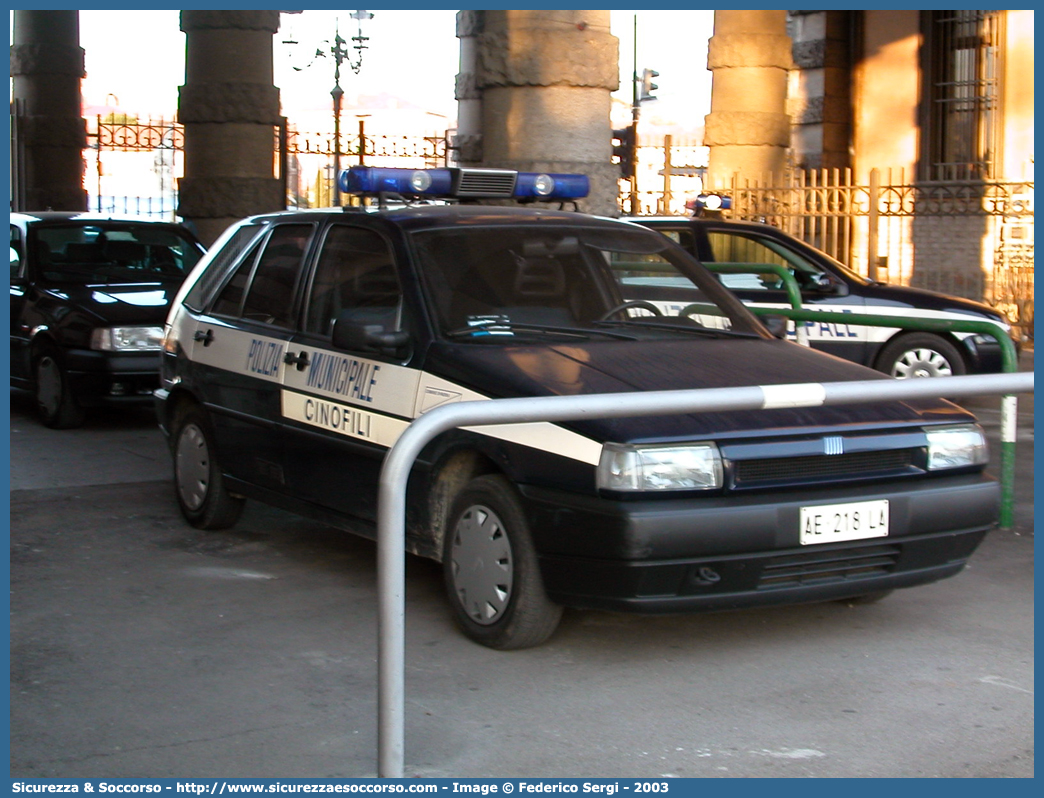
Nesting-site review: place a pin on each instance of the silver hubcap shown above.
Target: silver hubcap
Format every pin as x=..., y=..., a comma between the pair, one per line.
x=192, y=467
x=48, y=385
x=480, y=559
x=921, y=363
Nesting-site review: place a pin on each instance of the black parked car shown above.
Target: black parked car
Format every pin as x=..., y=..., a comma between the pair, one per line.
x=89, y=294
x=306, y=342
x=828, y=285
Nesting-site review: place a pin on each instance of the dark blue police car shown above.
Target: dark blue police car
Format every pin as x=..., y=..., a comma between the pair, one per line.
x=826, y=284
x=305, y=343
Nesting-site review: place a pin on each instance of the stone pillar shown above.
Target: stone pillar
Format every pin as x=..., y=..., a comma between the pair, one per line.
x=748, y=129
x=230, y=109
x=544, y=80
x=820, y=97
x=468, y=140
x=47, y=65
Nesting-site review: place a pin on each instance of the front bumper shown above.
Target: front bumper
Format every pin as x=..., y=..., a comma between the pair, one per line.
x=112, y=378
x=730, y=552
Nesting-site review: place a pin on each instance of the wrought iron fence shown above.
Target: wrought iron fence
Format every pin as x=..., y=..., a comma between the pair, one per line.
x=970, y=238
x=427, y=151
x=149, y=187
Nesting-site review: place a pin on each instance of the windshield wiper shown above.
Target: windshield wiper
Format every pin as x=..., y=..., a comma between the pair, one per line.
x=505, y=330
x=709, y=332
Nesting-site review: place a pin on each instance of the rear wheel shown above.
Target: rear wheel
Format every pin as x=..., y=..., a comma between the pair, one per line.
x=491, y=569
x=200, y=487
x=55, y=402
x=920, y=355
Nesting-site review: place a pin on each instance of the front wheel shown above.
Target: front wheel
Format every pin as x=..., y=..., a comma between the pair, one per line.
x=920, y=355
x=491, y=569
x=55, y=402
x=200, y=487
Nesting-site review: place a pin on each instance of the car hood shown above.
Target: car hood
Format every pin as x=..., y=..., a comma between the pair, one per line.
x=623, y=366
x=901, y=295
x=135, y=303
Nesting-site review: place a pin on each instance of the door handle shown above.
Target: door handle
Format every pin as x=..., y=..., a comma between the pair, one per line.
x=301, y=360
x=205, y=337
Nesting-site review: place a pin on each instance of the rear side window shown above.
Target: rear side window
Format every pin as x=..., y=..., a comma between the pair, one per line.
x=230, y=301
x=200, y=294
x=270, y=297
x=262, y=287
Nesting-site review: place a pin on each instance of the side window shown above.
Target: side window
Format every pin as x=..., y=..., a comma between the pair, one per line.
x=16, y=252
x=270, y=296
x=682, y=237
x=227, y=254
x=631, y=269
x=262, y=287
x=741, y=249
x=230, y=301
x=356, y=277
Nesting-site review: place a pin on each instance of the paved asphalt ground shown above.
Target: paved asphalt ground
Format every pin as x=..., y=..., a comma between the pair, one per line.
x=141, y=647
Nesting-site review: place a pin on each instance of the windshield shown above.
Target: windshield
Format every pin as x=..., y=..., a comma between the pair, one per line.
x=111, y=253
x=499, y=284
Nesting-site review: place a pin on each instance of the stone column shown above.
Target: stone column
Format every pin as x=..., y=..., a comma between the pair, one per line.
x=545, y=79
x=748, y=129
x=47, y=64
x=820, y=97
x=230, y=108
x=468, y=140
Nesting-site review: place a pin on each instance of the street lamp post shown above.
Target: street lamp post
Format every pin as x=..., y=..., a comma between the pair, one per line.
x=340, y=55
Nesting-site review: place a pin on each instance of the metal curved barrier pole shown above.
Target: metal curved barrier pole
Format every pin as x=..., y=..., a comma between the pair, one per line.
x=784, y=274
x=391, y=503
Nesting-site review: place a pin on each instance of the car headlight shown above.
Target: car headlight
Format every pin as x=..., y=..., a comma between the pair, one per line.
x=957, y=447
x=627, y=467
x=127, y=339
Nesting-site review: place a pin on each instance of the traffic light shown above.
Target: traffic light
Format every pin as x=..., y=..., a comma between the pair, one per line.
x=623, y=149
x=647, y=88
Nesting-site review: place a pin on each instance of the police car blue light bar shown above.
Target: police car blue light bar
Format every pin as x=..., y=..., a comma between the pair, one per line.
x=709, y=202
x=463, y=183
x=551, y=186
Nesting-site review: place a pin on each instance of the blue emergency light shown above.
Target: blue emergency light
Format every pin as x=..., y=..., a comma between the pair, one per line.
x=463, y=183
x=709, y=202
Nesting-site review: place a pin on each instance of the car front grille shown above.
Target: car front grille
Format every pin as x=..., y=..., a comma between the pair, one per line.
x=758, y=473
x=826, y=566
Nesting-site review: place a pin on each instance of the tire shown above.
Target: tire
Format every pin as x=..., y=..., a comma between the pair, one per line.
x=920, y=355
x=491, y=570
x=56, y=405
x=198, y=483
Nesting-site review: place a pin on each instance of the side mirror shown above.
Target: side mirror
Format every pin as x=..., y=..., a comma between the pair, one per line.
x=353, y=336
x=777, y=325
x=823, y=283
